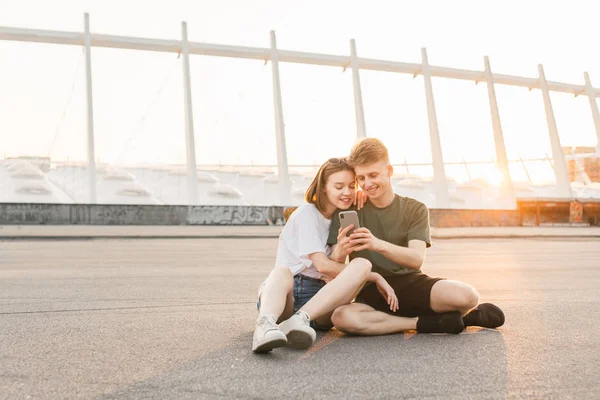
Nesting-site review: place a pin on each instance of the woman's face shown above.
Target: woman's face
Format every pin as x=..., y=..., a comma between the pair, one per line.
x=340, y=189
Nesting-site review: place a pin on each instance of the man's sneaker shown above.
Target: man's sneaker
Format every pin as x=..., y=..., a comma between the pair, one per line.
x=486, y=315
x=450, y=322
x=267, y=335
x=299, y=333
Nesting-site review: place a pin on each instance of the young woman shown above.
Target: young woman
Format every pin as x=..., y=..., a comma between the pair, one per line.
x=306, y=286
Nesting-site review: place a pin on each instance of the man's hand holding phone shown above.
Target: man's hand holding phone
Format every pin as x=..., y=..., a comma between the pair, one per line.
x=363, y=239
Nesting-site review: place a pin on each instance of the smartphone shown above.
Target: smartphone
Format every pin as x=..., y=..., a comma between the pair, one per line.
x=349, y=218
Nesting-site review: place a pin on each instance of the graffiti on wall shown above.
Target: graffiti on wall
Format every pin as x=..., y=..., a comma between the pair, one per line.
x=235, y=215
x=37, y=214
x=28, y=214
x=121, y=215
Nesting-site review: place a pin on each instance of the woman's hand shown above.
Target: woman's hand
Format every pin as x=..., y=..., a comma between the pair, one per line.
x=360, y=198
x=343, y=247
x=387, y=292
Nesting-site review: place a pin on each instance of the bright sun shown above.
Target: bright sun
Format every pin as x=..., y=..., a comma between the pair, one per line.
x=492, y=176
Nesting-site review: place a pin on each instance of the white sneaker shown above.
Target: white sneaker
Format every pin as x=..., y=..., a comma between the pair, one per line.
x=299, y=333
x=267, y=335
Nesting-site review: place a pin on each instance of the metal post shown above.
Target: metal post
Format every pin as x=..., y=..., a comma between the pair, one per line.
x=525, y=170
x=507, y=190
x=282, y=162
x=440, y=183
x=594, y=106
x=560, y=166
x=189, y=119
x=361, y=131
x=464, y=163
x=87, y=43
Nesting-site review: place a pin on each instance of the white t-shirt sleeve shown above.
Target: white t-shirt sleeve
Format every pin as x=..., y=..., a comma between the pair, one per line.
x=309, y=237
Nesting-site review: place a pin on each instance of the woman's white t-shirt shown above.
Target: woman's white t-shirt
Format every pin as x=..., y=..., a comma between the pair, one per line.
x=305, y=232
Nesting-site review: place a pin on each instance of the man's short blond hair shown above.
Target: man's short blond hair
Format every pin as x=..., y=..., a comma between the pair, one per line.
x=368, y=151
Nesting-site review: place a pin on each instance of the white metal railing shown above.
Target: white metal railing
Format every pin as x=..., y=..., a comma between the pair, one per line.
x=275, y=55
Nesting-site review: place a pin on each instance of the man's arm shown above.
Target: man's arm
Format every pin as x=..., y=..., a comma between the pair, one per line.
x=419, y=239
x=411, y=256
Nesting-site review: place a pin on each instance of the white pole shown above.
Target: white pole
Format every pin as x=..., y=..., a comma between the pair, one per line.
x=563, y=183
x=525, y=170
x=594, y=106
x=361, y=131
x=440, y=183
x=282, y=162
x=507, y=190
x=464, y=162
x=189, y=119
x=87, y=43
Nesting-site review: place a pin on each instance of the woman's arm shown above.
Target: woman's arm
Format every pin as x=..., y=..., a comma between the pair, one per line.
x=342, y=248
x=325, y=265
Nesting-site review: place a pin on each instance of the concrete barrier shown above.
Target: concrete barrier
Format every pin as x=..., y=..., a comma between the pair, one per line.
x=88, y=214
x=443, y=218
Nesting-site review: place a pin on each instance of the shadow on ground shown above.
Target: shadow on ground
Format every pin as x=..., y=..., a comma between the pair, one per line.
x=396, y=366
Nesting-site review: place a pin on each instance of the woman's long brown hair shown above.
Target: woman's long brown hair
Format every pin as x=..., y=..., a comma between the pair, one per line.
x=315, y=193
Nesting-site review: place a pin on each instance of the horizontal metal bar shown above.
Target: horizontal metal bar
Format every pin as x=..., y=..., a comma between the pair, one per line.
x=399, y=165
x=263, y=53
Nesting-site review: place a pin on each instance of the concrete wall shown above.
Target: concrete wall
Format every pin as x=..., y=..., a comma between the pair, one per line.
x=456, y=218
x=85, y=214
x=528, y=213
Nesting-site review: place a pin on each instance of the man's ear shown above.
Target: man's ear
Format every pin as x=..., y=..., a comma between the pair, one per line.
x=390, y=170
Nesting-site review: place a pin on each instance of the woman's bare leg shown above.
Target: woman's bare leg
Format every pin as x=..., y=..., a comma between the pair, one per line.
x=277, y=297
x=341, y=290
x=276, y=304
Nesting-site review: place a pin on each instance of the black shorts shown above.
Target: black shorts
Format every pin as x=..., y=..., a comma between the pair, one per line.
x=413, y=291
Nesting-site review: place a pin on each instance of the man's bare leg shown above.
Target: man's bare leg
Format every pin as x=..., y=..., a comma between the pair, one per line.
x=450, y=295
x=361, y=319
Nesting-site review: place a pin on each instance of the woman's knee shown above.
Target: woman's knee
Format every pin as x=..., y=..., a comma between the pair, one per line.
x=282, y=276
x=361, y=266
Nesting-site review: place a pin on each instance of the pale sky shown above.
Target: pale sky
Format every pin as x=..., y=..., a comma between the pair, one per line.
x=232, y=99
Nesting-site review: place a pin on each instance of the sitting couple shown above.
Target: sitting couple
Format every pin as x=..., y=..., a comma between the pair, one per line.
x=382, y=289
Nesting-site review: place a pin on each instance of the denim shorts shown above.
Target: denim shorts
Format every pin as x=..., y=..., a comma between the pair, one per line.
x=304, y=290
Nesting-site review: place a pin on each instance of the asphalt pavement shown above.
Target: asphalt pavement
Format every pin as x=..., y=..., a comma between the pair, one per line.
x=173, y=318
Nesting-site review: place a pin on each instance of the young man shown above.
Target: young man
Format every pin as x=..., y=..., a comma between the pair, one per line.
x=393, y=235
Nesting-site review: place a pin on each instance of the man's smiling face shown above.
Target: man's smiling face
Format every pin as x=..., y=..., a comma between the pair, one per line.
x=374, y=178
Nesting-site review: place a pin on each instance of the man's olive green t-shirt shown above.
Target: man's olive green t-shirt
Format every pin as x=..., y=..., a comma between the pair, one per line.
x=405, y=219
